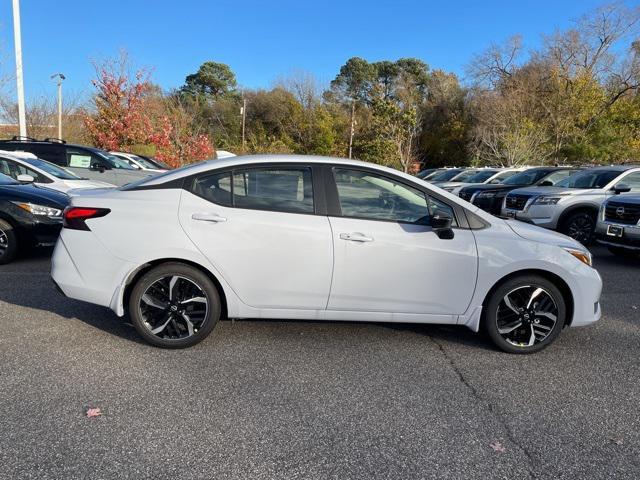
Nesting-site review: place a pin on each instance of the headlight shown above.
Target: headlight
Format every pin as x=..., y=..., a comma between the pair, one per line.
x=583, y=255
x=40, y=210
x=546, y=200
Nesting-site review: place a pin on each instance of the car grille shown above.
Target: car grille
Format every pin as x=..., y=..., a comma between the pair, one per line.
x=618, y=212
x=516, y=202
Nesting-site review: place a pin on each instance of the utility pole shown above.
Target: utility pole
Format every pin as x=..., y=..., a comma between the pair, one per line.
x=243, y=112
x=17, y=40
x=353, y=122
x=60, y=77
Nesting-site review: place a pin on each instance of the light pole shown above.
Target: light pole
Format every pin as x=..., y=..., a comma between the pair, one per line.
x=17, y=41
x=60, y=77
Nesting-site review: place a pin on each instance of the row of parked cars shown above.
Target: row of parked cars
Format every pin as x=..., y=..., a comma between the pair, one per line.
x=593, y=203
x=37, y=175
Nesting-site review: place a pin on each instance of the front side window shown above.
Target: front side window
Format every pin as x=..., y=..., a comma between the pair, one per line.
x=372, y=197
x=81, y=159
x=13, y=169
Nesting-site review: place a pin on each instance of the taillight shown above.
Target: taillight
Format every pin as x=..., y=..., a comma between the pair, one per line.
x=75, y=217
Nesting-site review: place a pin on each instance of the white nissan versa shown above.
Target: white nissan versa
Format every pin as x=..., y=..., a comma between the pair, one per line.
x=313, y=238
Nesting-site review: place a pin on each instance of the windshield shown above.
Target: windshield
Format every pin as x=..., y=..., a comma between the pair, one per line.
x=589, y=179
x=502, y=176
x=6, y=180
x=528, y=177
x=445, y=175
x=52, y=169
x=480, y=176
x=116, y=162
x=157, y=163
x=144, y=162
x=464, y=175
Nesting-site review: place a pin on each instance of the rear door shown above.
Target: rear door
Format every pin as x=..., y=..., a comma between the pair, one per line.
x=262, y=230
x=387, y=258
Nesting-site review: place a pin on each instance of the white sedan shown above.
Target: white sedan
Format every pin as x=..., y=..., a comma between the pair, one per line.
x=314, y=238
x=27, y=168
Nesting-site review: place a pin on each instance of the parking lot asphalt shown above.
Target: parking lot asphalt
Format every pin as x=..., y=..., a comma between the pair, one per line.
x=283, y=399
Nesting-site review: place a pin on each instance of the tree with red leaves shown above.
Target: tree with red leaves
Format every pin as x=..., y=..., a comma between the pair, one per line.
x=132, y=114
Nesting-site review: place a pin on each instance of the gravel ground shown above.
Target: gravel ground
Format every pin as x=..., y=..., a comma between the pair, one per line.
x=282, y=399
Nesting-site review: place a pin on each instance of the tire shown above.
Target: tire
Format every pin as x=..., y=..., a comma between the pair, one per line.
x=580, y=226
x=161, y=315
x=499, y=318
x=624, y=252
x=8, y=243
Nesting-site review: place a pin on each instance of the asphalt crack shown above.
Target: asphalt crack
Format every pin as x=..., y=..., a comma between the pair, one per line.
x=489, y=406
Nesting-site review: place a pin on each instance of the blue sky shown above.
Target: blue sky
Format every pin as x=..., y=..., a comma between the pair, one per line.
x=262, y=40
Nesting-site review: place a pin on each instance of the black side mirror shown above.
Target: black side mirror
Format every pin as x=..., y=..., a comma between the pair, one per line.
x=441, y=224
x=621, y=188
x=546, y=183
x=98, y=167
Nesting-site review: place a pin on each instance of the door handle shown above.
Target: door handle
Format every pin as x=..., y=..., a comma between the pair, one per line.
x=208, y=217
x=355, y=237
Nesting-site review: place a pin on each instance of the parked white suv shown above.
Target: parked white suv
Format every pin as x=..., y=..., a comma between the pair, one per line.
x=571, y=206
x=315, y=238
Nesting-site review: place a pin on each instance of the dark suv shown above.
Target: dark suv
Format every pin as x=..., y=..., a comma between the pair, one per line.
x=88, y=162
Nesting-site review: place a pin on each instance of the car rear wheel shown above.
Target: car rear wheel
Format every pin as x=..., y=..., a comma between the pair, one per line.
x=580, y=226
x=174, y=306
x=525, y=314
x=624, y=252
x=8, y=243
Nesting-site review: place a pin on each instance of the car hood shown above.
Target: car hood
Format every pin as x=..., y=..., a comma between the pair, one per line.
x=535, y=191
x=628, y=199
x=33, y=194
x=542, y=235
x=483, y=187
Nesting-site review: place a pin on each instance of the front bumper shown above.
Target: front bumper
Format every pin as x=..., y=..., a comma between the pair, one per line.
x=587, y=291
x=630, y=238
x=545, y=216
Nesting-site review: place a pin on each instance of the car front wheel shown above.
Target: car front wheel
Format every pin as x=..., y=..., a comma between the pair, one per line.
x=174, y=306
x=580, y=226
x=525, y=314
x=8, y=243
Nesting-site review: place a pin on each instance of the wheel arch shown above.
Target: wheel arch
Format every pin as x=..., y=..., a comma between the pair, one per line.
x=552, y=277
x=586, y=207
x=138, y=273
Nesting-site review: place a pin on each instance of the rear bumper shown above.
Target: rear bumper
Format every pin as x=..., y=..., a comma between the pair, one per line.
x=102, y=272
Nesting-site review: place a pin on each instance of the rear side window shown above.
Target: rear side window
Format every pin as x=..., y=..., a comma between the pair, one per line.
x=277, y=189
x=274, y=188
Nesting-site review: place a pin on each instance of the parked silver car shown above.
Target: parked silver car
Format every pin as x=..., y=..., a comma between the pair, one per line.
x=572, y=205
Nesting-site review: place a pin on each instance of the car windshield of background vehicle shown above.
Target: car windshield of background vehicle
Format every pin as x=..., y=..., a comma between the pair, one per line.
x=528, y=177
x=157, y=163
x=144, y=162
x=479, y=177
x=367, y=196
x=6, y=180
x=464, y=176
x=502, y=176
x=52, y=169
x=446, y=175
x=589, y=179
x=116, y=162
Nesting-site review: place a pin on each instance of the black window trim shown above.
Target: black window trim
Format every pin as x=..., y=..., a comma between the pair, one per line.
x=317, y=187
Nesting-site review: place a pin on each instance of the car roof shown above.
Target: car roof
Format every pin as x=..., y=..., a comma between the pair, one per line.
x=259, y=159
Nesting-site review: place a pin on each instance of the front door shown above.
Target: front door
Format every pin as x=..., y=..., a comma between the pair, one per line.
x=388, y=259
x=259, y=229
